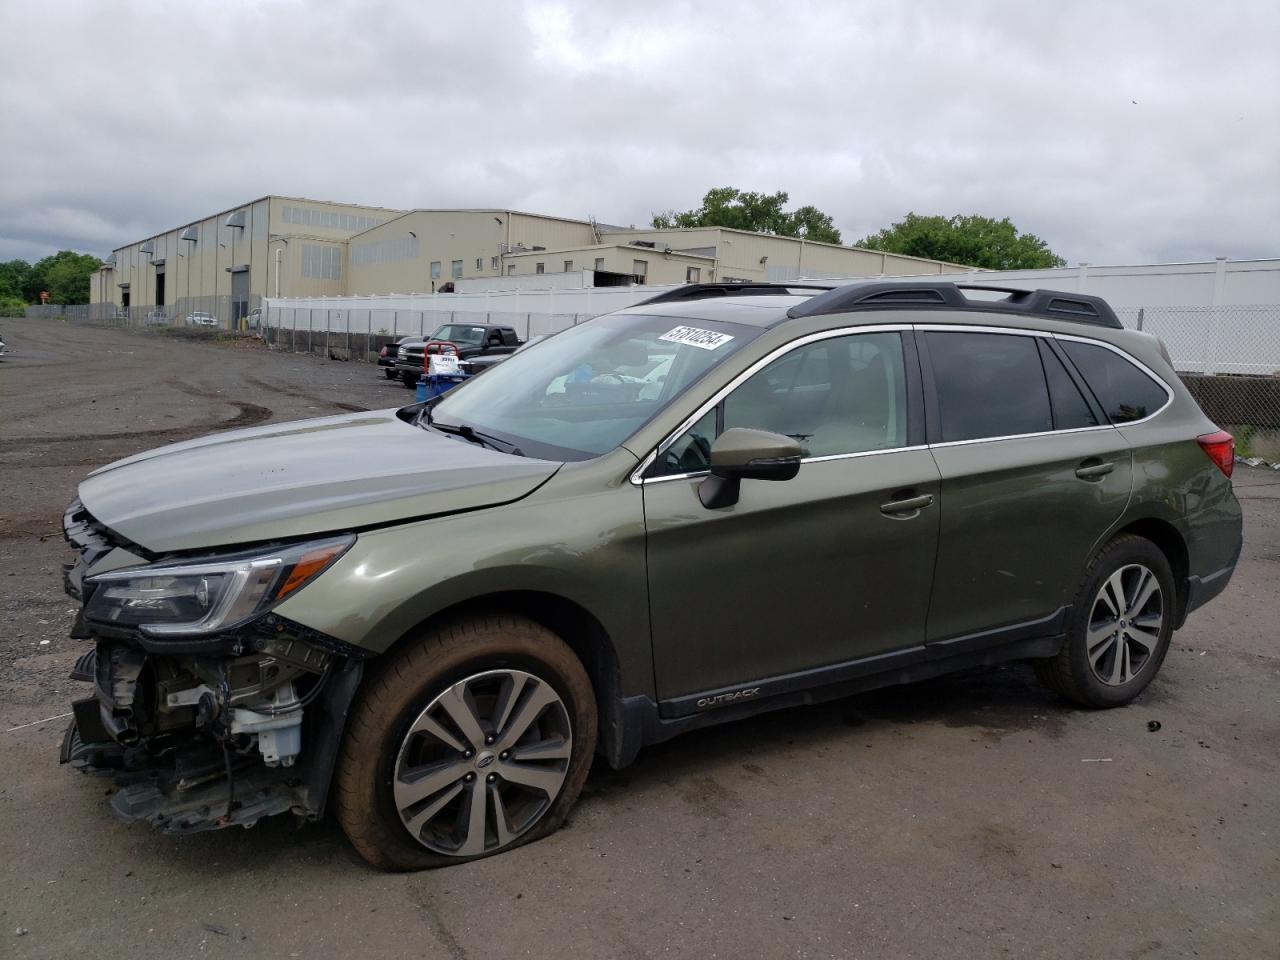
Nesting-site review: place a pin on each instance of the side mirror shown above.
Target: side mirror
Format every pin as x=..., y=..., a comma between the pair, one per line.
x=741, y=454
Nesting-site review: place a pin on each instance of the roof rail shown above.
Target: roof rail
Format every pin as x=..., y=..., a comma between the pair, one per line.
x=882, y=295
x=701, y=291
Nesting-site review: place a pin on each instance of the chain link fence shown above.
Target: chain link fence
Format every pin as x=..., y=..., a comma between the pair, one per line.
x=1229, y=358
x=220, y=312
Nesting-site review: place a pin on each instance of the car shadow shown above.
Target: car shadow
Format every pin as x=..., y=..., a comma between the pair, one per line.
x=993, y=702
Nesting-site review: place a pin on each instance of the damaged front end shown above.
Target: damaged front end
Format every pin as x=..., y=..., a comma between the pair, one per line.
x=207, y=709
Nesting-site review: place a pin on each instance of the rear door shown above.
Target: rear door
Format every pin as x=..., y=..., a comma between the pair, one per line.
x=1032, y=475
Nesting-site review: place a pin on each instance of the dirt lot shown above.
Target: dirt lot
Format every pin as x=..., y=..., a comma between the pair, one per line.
x=958, y=818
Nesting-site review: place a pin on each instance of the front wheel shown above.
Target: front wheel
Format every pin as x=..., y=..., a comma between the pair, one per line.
x=1120, y=626
x=473, y=740
x=391, y=374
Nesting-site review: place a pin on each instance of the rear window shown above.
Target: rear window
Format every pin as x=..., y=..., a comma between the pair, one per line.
x=1124, y=391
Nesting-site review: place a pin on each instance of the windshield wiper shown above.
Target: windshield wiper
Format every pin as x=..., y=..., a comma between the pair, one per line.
x=468, y=432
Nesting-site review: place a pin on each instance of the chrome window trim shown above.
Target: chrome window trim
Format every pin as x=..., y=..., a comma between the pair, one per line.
x=831, y=456
x=977, y=328
x=1021, y=436
x=639, y=480
x=743, y=376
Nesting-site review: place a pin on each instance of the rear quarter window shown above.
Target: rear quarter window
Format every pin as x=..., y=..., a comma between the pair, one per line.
x=1125, y=392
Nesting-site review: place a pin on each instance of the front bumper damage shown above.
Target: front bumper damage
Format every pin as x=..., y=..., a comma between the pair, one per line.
x=211, y=733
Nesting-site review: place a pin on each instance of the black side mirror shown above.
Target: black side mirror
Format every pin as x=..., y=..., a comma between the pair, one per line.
x=742, y=454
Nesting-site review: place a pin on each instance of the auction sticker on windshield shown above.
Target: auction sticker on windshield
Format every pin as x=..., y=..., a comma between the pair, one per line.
x=694, y=337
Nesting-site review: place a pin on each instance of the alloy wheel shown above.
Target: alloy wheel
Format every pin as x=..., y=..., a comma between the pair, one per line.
x=482, y=763
x=1124, y=624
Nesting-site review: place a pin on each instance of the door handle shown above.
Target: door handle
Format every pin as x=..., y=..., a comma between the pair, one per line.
x=907, y=505
x=1093, y=470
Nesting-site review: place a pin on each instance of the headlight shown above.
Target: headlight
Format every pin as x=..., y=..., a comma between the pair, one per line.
x=201, y=597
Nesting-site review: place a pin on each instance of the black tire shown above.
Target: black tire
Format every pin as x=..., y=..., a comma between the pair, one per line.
x=409, y=380
x=1070, y=673
x=391, y=374
x=403, y=683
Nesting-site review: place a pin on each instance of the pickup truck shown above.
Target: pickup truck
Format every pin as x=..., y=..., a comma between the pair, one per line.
x=470, y=339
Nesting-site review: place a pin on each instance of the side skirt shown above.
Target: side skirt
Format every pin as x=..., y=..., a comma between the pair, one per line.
x=645, y=722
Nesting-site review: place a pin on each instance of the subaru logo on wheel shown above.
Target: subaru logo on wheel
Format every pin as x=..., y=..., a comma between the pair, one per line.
x=484, y=760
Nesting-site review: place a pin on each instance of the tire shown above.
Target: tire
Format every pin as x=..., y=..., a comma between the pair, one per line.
x=1109, y=657
x=409, y=380
x=391, y=374
x=412, y=696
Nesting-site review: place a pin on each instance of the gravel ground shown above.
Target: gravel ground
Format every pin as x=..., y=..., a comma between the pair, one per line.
x=956, y=818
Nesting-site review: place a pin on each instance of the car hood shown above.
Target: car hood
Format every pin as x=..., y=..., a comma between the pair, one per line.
x=296, y=479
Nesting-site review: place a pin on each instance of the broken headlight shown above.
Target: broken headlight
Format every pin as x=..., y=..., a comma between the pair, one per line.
x=207, y=596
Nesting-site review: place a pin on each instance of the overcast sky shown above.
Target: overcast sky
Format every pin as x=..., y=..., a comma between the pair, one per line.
x=1117, y=132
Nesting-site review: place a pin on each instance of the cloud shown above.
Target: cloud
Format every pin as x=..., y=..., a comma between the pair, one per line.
x=138, y=118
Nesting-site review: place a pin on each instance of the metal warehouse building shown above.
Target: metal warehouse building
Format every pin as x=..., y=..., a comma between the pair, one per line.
x=220, y=267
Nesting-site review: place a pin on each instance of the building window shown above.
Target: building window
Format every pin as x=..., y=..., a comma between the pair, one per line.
x=640, y=268
x=479, y=263
x=511, y=269
x=493, y=263
x=599, y=263
x=692, y=274
x=384, y=251
x=540, y=268
x=321, y=263
x=435, y=269
x=455, y=269
x=568, y=266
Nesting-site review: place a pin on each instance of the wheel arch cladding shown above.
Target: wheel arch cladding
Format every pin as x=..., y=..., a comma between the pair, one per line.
x=1171, y=543
x=571, y=622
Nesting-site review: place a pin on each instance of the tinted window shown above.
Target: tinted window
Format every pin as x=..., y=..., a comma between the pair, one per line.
x=1125, y=392
x=989, y=385
x=1070, y=409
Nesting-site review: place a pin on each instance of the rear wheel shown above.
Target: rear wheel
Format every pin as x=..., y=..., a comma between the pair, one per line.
x=469, y=742
x=1120, y=626
x=391, y=374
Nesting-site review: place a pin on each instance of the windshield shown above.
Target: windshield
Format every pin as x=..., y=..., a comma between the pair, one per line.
x=459, y=333
x=584, y=391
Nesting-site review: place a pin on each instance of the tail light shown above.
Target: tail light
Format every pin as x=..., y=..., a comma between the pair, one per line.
x=382, y=352
x=1219, y=447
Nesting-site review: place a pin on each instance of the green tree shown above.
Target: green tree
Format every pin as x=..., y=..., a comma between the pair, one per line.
x=13, y=276
x=974, y=241
x=758, y=212
x=65, y=275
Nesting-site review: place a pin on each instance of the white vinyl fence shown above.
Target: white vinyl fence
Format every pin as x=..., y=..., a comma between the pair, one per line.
x=529, y=312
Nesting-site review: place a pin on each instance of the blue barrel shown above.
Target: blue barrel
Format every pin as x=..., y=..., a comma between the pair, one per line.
x=434, y=385
x=421, y=393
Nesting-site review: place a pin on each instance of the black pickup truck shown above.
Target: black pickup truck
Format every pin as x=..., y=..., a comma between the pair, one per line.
x=470, y=339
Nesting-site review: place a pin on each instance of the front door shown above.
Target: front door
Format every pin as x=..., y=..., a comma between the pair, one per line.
x=1032, y=476
x=812, y=573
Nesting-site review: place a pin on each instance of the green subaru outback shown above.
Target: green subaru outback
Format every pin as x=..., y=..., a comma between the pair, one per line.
x=725, y=500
